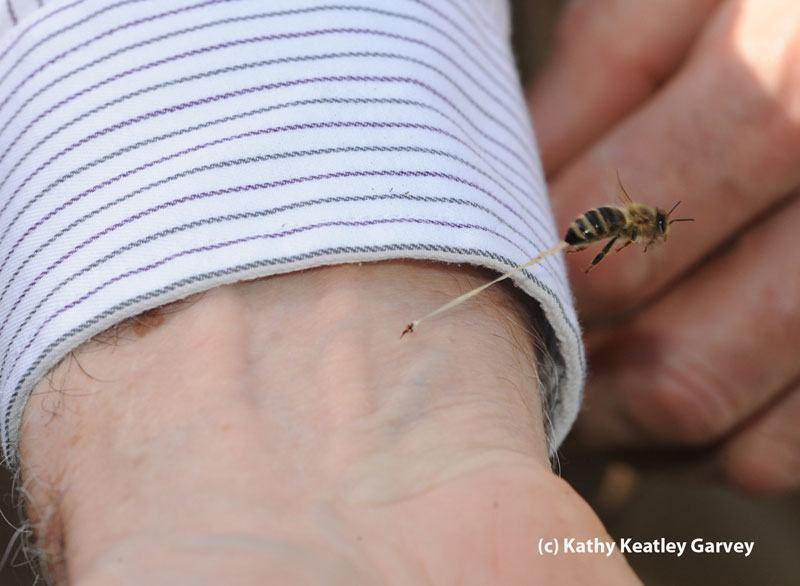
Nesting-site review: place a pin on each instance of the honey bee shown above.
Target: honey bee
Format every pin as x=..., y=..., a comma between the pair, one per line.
x=629, y=222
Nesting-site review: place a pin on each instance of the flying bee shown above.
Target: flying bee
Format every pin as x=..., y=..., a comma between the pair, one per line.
x=628, y=223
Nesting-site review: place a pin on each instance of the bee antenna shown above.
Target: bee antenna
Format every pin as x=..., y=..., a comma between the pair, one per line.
x=682, y=220
x=622, y=187
x=669, y=213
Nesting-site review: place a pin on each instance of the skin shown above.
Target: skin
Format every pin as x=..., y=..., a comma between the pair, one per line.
x=697, y=100
x=280, y=431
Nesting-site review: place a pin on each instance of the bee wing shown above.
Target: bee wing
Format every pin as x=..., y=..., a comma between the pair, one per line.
x=622, y=195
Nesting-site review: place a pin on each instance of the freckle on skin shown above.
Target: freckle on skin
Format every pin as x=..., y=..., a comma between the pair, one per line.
x=147, y=321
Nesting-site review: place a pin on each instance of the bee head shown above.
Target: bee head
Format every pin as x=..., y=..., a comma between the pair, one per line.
x=663, y=220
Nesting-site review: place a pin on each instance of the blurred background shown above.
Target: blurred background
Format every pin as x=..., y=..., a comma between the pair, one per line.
x=678, y=500
x=662, y=498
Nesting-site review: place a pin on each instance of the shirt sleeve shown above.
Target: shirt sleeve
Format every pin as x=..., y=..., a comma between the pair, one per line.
x=152, y=150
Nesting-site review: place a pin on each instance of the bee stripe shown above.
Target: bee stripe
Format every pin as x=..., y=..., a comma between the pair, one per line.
x=579, y=231
x=584, y=226
x=597, y=222
x=573, y=236
x=613, y=217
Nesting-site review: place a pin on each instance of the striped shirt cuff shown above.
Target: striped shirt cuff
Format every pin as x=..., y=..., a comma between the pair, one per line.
x=149, y=151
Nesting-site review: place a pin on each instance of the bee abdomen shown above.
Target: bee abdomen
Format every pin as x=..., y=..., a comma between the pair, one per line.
x=595, y=225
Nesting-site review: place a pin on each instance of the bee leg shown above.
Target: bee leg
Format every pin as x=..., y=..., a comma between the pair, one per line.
x=646, y=246
x=601, y=254
x=628, y=243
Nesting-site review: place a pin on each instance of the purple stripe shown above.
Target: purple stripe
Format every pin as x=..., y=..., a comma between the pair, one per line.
x=260, y=39
x=239, y=189
x=245, y=91
x=196, y=148
x=11, y=13
x=480, y=25
x=466, y=35
x=495, y=82
x=242, y=240
x=36, y=23
x=29, y=202
x=102, y=35
x=44, y=37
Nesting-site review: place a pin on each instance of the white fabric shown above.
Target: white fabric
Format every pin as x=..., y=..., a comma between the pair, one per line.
x=150, y=150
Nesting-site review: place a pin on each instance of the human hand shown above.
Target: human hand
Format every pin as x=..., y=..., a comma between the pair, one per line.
x=696, y=101
x=279, y=431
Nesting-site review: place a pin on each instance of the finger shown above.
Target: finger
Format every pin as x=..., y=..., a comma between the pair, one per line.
x=764, y=457
x=723, y=136
x=609, y=55
x=710, y=353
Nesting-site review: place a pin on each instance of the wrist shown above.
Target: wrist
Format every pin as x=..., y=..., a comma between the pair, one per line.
x=251, y=410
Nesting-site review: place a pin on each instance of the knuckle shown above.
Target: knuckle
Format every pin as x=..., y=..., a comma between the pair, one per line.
x=683, y=407
x=763, y=469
